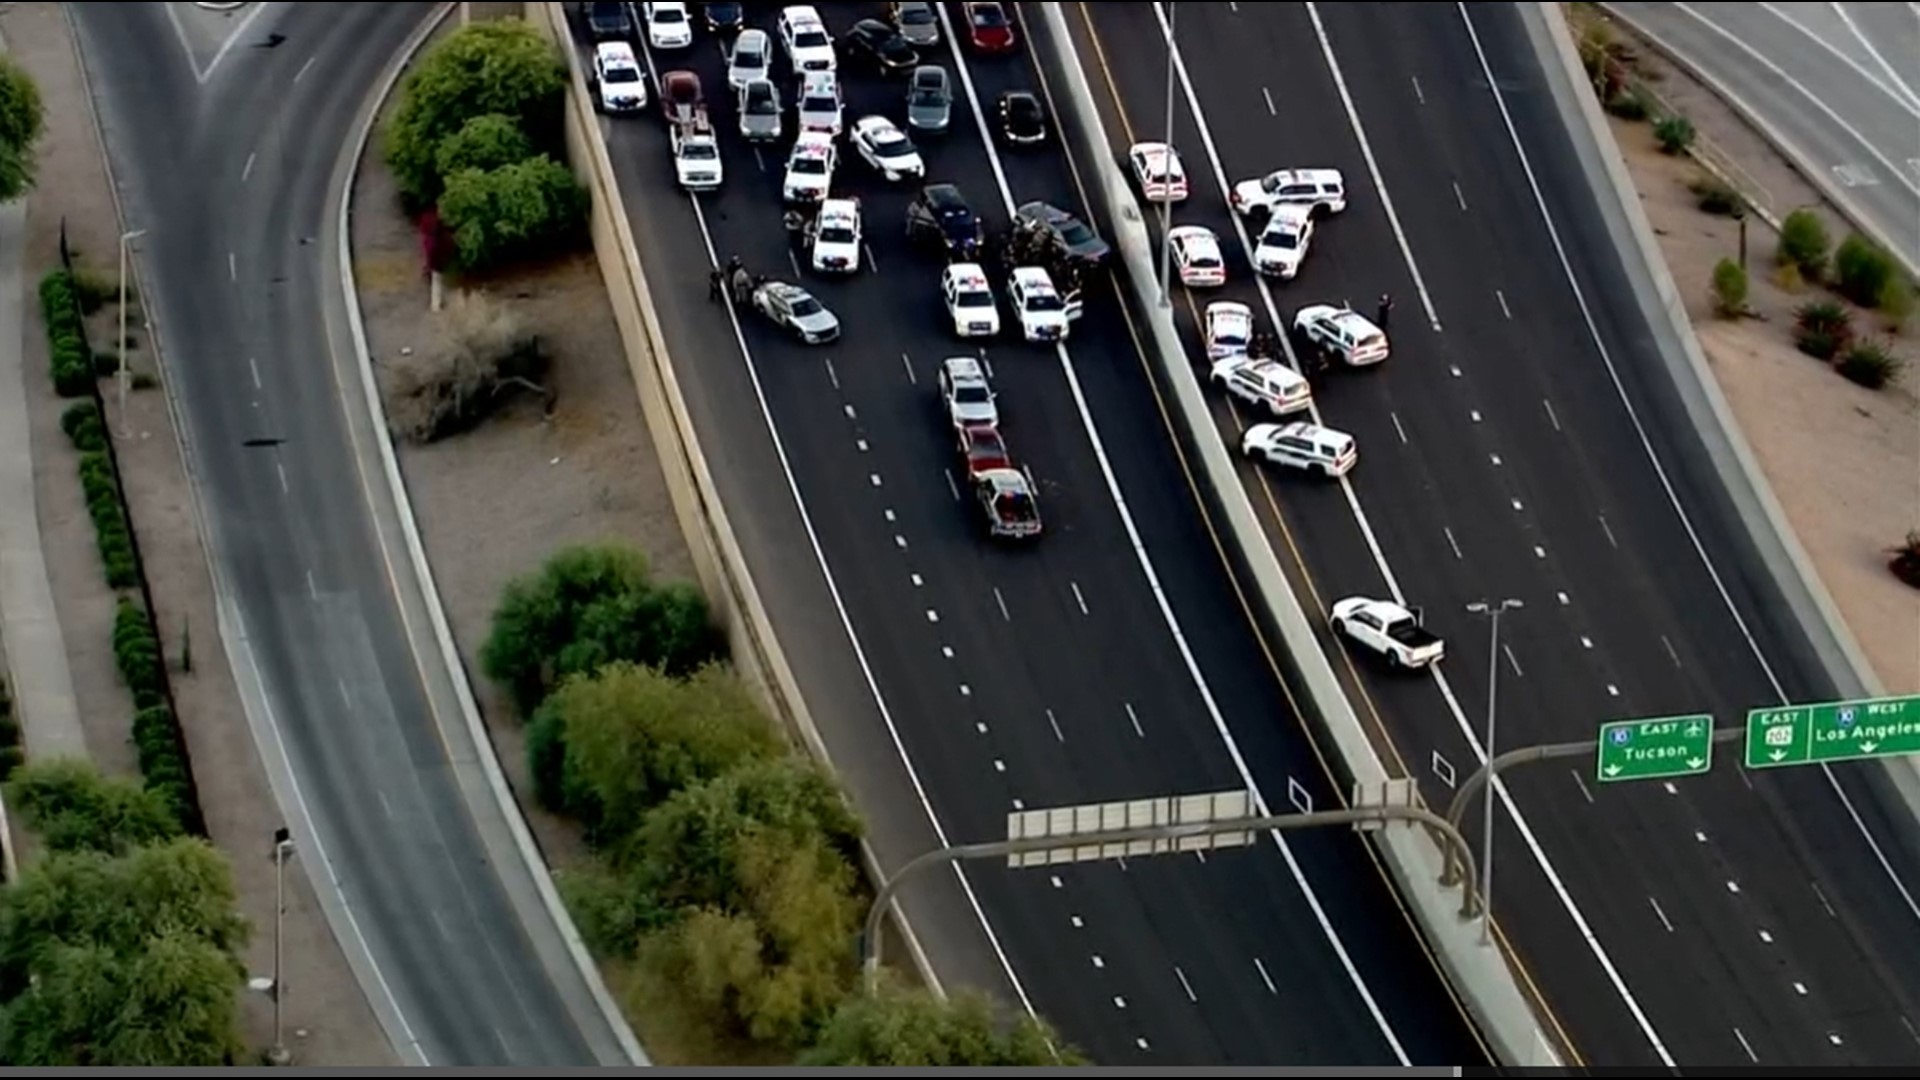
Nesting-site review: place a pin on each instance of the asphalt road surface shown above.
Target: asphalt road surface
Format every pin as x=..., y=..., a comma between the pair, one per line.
x=1012, y=679
x=1728, y=919
x=227, y=158
x=1835, y=85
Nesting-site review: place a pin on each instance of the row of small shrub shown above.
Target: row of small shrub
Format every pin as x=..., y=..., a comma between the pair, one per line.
x=1824, y=330
x=11, y=752
x=1859, y=269
x=726, y=868
x=157, y=739
x=70, y=359
x=112, y=532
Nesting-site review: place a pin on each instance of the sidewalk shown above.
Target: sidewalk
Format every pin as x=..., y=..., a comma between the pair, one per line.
x=29, y=624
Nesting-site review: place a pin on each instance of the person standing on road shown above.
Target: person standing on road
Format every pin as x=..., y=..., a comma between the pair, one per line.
x=796, y=225
x=1385, y=311
x=714, y=285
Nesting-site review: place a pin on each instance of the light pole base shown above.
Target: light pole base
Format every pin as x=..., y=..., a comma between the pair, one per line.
x=279, y=1056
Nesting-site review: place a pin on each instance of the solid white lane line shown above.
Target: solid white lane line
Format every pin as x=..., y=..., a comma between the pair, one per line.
x=1904, y=96
x=1659, y=468
x=1159, y=593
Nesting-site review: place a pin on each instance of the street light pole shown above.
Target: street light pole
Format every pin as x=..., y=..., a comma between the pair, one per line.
x=120, y=343
x=271, y=985
x=1493, y=612
x=1166, y=205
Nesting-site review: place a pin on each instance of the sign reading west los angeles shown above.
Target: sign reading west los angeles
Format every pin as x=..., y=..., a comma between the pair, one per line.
x=1840, y=731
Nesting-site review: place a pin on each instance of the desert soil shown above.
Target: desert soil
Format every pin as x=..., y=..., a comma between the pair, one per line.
x=327, y=1019
x=1844, y=461
x=492, y=504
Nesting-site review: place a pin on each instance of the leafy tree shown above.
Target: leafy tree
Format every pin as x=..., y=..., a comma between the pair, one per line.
x=1804, y=243
x=589, y=606
x=633, y=737
x=22, y=118
x=514, y=211
x=610, y=908
x=500, y=68
x=776, y=967
x=174, y=1003
x=484, y=142
x=122, y=959
x=695, y=849
x=905, y=1028
x=74, y=808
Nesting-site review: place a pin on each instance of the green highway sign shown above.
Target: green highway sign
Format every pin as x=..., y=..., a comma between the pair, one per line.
x=1655, y=749
x=1841, y=731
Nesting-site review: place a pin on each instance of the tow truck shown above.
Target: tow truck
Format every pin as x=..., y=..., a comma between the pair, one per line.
x=1388, y=628
x=696, y=151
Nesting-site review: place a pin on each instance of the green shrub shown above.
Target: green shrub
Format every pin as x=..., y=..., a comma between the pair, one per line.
x=1804, y=244
x=1628, y=105
x=69, y=362
x=516, y=211
x=1822, y=329
x=111, y=531
x=1871, y=364
x=1895, y=303
x=484, y=143
x=1674, y=132
x=1729, y=289
x=84, y=427
x=1715, y=196
x=136, y=649
x=1862, y=270
x=95, y=290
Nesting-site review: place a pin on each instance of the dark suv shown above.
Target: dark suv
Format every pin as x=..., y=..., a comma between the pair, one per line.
x=940, y=219
x=610, y=22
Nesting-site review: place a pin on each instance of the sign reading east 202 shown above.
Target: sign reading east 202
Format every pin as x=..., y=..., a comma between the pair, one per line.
x=1841, y=731
x=1656, y=749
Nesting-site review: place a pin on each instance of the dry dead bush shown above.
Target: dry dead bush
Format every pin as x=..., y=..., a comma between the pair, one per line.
x=485, y=353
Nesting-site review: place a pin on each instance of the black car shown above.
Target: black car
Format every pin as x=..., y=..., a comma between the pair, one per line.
x=881, y=45
x=940, y=218
x=610, y=22
x=723, y=18
x=1068, y=234
x=1022, y=121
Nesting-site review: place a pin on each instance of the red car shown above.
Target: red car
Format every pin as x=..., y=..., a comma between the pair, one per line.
x=983, y=450
x=680, y=98
x=989, y=28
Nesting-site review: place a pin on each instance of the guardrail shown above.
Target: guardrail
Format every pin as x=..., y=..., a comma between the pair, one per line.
x=719, y=561
x=1479, y=973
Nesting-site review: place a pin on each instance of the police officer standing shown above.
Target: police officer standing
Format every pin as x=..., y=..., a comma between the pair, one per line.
x=1385, y=312
x=714, y=285
x=796, y=225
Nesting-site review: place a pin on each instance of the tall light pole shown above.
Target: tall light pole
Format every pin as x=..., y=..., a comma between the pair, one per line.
x=271, y=985
x=1166, y=205
x=1492, y=611
x=120, y=343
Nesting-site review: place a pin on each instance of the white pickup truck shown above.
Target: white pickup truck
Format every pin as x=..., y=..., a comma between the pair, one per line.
x=1388, y=629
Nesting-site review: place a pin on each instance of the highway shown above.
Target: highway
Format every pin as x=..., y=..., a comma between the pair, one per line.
x=1522, y=442
x=954, y=682
x=1835, y=85
x=232, y=154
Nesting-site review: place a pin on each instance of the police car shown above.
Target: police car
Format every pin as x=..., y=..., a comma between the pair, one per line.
x=809, y=168
x=970, y=300
x=836, y=237
x=1267, y=384
x=1283, y=244
x=1342, y=334
x=617, y=74
x=1301, y=445
x=1229, y=329
x=1045, y=315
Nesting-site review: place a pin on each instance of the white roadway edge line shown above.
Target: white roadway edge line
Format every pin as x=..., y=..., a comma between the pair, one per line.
x=1905, y=103
x=1653, y=457
x=1899, y=175
x=839, y=604
x=237, y=644
x=1165, y=605
x=1380, y=560
x=239, y=28
x=1840, y=9
x=1693, y=537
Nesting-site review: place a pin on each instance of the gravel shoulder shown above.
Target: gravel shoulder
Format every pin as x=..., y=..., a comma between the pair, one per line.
x=1844, y=461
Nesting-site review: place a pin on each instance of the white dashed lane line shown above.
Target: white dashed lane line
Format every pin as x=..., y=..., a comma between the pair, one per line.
x=832, y=375
x=1079, y=598
x=1552, y=417
x=1000, y=599
x=1054, y=722
x=1134, y=717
